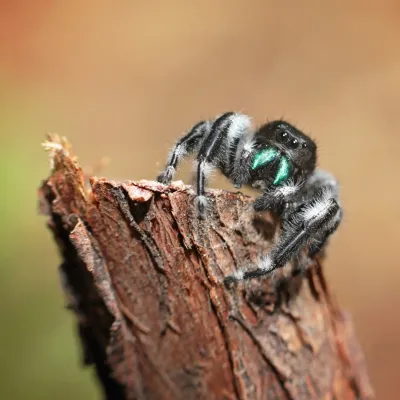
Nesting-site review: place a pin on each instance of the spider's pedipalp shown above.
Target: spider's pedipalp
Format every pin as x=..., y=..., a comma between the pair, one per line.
x=275, y=198
x=286, y=190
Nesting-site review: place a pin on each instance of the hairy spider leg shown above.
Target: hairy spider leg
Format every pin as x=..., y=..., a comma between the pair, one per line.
x=323, y=180
x=241, y=161
x=318, y=243
x=216, y=149
x=184, y=146
x=316, y=218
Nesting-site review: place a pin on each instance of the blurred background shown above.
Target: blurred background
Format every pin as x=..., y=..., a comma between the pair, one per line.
x=124, y=79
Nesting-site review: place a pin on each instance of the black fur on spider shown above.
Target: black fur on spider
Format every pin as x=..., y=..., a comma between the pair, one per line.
x=278, y=159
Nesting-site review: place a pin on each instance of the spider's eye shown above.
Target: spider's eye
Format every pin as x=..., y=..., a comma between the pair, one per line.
x=294, y=144
x=304, y=145
x=283, y=135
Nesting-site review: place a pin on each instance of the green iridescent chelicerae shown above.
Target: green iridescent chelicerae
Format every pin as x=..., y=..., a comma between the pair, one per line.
x=269, y=154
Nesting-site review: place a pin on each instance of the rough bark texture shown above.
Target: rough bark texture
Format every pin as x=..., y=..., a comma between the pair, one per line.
x=144, y=277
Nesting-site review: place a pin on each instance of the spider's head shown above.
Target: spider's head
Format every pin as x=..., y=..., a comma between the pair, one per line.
x=282, y=152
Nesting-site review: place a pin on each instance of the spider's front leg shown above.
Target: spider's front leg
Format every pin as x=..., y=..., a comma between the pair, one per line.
x=187, y=144
x=311, y=222
x=218, y=150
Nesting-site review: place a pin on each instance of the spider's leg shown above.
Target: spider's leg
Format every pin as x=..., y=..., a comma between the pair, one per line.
x=187, y=144
x=318, y=243
x=241, y=160
x=314, y=219
x=322, y=179
x=216, y=151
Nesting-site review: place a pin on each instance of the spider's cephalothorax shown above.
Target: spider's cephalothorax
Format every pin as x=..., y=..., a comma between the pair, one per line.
x=277, y=159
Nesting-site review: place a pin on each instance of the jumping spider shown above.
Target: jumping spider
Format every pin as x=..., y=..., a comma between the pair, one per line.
x=278, y=159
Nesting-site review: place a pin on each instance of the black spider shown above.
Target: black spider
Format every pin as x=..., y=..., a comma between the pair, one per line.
x=281, y=161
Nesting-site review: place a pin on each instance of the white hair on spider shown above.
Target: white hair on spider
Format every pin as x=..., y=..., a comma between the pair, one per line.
x=266, y=263
x=319, y=207
x=201, y=201
x=238, y=275
x=287, y=189
x=248, y=146
x=239, y=124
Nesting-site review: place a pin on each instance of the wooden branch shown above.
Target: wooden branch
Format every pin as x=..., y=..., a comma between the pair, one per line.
x=144, y=277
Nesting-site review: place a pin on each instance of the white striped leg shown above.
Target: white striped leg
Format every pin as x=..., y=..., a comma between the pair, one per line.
x=215, y=150
x=184, y=146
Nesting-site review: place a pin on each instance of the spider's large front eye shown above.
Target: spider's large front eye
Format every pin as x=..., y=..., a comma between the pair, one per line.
x=283, y=135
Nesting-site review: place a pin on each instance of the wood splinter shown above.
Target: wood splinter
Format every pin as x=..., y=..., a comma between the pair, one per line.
x=144, y=277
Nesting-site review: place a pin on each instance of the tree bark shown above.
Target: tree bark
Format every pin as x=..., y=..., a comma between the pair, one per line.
x=144, y=277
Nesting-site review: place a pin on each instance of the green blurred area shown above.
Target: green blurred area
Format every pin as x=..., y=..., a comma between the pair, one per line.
x=40, y=354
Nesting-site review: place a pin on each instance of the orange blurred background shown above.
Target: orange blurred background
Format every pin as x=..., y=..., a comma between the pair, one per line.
x=124, y=79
